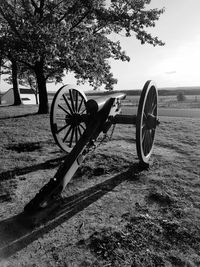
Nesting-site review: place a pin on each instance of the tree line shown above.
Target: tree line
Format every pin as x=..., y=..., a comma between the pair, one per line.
x=42, y=40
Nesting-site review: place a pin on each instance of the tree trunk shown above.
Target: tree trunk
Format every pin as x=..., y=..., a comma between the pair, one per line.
x=17, y=99
x=0, y=77
x=42, y=89
x=36, y=94
x=36, y=98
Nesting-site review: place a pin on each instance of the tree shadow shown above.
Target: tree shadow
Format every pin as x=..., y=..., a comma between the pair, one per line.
x=19, y=231
x=49, y=164
x=8, y=182
x=20, y=116
x=24, y=147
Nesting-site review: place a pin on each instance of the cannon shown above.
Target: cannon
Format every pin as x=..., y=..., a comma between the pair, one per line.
x=76, y=124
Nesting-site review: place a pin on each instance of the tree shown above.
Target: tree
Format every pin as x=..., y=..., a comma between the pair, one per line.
x=16, y=93
x=74, y=35
x=12, y=70
x=1, y=60
x=181, y=97
x=27, y=78
x=5, y=56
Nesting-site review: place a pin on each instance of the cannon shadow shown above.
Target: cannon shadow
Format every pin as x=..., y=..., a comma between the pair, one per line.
x=20, y=230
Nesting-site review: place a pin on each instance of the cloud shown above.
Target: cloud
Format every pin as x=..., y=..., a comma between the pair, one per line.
x=170, y=72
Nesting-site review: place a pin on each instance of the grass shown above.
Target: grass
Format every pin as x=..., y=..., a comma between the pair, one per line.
x=191, y=101
x=114, y=213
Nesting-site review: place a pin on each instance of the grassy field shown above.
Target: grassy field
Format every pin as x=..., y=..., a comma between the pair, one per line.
x=190, y=102
x=113, y=212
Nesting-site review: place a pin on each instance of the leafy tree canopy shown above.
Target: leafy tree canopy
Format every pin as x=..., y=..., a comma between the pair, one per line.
x=74, y=35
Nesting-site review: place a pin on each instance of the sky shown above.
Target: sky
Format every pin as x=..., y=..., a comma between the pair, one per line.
x=175, y=64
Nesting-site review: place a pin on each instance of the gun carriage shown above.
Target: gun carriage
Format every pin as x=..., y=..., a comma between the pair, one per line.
x=76, y=124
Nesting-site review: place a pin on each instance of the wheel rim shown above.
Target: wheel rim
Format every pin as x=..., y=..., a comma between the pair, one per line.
x=146, y=121
x=68, y=117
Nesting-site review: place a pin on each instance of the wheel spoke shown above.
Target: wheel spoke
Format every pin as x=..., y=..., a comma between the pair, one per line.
x=82, y=127
x=144, y=121
x=67, y=103
x=76, y=102
x=72, y=100
x=144, y=145
x=154, y=108
x=153, y=100
x=152, y=135
x=67, y=120
x=82, y=100
x=146, y=108
x=150, y=139
x=149, y=101
x=76, y=134
x=60, y=119
x=143, y=136
x=63, y=109
x=67, y=134
x=63, y=128
x=144, y=116
x=71, y=138
x=151, y=97
x=147, y=146
x=79, y=131
x=83, y=111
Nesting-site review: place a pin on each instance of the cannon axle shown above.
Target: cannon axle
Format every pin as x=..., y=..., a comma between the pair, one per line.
x=124, y=119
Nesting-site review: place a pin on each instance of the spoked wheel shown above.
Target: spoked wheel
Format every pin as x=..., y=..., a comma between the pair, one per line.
x=146, y=121
x=68, y=116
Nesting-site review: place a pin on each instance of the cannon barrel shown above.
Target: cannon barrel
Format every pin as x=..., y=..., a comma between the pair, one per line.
x=95, y=105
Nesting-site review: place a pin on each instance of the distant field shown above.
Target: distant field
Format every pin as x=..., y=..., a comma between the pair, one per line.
x=191, y=101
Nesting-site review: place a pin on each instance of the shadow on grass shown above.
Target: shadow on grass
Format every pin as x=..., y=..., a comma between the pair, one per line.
x=19, y=231
x=24, y=147
x=49, y=164
x=20, y=116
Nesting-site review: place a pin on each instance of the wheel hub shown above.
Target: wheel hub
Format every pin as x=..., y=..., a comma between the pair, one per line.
x=74, y=120
x=151, y=121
